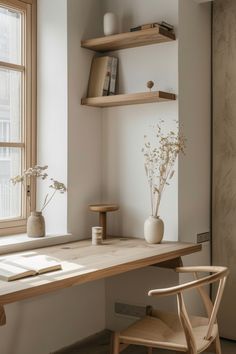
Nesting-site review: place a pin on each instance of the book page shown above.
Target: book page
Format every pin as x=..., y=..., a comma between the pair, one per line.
x=10, y=272
x=38, y=263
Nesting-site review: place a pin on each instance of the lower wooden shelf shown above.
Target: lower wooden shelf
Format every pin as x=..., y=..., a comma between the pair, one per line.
x=128, y=99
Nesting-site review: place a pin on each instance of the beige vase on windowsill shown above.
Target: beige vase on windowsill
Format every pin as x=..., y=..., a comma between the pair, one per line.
x=36, y=224
x=153, y=229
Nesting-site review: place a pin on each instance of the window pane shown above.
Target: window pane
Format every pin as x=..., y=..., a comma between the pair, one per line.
x=10, y=196
x=10, y=106
x=10, y=36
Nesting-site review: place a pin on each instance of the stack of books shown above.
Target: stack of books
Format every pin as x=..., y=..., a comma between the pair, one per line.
x=168, y=27
x=103, y=75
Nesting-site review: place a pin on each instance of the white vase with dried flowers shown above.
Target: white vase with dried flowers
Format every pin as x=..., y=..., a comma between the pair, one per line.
x=159, y=160
x=36, y=222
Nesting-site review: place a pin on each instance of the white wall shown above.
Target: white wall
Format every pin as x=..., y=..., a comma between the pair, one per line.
x=84, y=123
x=52, y=106
x=124, y=179
x=184, y=66
x=98, y=152
x=69, y=141
x=47, y=323
x=132, y=288
x=195, y=116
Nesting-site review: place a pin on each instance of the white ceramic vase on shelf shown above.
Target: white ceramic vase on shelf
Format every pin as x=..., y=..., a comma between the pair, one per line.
x=110, y=24
x=36, y=224
x=153, y=229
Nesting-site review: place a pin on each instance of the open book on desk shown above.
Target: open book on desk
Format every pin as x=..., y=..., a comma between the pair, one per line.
x=18, y=267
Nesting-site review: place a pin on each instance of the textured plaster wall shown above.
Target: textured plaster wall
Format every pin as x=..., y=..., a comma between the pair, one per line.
x=224, y=154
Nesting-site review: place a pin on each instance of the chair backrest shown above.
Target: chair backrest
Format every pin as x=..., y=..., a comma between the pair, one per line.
x=217, y=274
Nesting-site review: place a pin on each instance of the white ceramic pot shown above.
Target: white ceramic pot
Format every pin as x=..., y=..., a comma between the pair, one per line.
x=153, y=229
x=36, y=224
x=110, y=24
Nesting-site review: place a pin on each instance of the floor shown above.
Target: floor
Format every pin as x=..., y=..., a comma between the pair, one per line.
x=99, y=344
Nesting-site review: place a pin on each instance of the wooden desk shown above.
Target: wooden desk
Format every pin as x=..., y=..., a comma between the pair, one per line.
x=82, y=262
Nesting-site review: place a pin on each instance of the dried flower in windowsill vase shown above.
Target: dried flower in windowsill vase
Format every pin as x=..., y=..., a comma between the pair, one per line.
x=159, y=159
x=36, y=222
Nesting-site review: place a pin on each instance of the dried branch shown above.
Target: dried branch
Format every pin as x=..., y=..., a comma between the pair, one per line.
x=31, y=175
x=159, y=161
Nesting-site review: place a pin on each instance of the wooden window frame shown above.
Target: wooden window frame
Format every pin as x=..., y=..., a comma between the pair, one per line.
x=29, y=131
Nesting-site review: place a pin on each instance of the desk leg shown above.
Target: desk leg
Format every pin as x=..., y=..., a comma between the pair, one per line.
x=171, y=263
x=3, y=320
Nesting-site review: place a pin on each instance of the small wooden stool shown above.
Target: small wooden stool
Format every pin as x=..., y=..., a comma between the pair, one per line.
x=103, y=209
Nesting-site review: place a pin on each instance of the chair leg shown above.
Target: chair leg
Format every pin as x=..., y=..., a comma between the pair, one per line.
x=116, y=343
x=149, y=351
x=112, y=343
x=217, y=345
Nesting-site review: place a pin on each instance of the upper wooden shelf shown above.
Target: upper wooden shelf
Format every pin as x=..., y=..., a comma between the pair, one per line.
x=128, y=40
x=128, y=99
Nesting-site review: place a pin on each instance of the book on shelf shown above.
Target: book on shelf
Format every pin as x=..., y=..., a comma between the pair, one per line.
x=100, y=76
x=107, y=80
x=162, y=24
x=144, y=27
x=17, y=267
x=112, y=88
x=167, y=26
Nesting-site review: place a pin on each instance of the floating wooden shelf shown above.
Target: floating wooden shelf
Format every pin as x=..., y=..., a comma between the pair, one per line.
x=128, y=40
x=128, y=99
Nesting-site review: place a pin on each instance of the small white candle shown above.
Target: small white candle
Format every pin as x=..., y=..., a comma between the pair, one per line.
x=97, y=232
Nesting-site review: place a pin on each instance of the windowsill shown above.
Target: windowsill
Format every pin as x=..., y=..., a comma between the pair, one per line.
x=19, y=243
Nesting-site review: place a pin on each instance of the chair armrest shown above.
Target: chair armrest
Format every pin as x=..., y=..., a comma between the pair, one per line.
x=174, y=289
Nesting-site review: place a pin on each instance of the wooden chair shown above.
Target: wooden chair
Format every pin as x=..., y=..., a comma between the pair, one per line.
x=179, y=332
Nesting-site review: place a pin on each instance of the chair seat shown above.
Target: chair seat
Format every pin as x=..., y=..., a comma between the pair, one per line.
x=165, y=331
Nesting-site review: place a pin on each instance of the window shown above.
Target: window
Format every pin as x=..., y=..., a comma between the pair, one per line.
x=17, y=109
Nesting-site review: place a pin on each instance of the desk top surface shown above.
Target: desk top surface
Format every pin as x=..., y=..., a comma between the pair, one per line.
x=82, y=262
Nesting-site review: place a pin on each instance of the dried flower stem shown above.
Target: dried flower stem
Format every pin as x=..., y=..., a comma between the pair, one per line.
x=47, y=202
x=159, y=161
x=30, y=176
